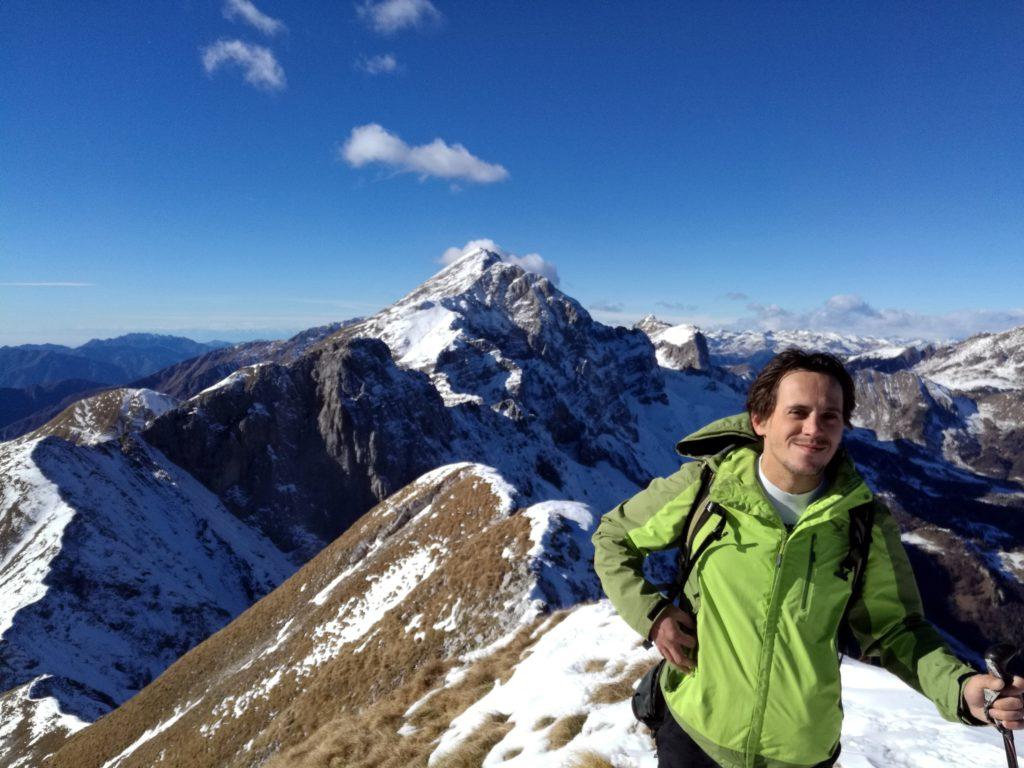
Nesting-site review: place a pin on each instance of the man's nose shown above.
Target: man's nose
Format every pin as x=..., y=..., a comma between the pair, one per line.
x=812, y=424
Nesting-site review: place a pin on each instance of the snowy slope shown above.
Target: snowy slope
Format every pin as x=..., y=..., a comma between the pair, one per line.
x=113, y=562
x=107, y=416
x=887, y=725
x=988, y=361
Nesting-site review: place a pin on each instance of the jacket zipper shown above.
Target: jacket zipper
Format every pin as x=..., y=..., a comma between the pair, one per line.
x=807, y=578
x=764, y=663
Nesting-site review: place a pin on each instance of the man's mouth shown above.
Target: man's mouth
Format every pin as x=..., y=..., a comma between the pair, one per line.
x=812, y=447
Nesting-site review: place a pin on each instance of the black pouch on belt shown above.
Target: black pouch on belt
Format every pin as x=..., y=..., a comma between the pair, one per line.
x=648, y=701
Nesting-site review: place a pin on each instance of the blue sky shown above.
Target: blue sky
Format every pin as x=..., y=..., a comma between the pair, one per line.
x=234, y=169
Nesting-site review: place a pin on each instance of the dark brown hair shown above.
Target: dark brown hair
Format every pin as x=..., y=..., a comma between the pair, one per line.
x=763, y=392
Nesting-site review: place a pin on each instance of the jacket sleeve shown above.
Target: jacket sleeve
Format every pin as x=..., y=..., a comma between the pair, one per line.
x=888, y=622
x=649, y=521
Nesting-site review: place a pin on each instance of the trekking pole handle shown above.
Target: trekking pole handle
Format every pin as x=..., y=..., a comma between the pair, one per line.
x=997, y=660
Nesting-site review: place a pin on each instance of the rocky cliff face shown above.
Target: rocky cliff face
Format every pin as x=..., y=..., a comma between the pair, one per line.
x=301, y=451
x=191, y=376
x=508, y=344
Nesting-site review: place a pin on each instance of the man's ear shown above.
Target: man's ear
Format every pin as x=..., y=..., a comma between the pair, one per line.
x=758, y=424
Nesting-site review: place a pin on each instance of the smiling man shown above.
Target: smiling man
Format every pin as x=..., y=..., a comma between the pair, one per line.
x=801, y=551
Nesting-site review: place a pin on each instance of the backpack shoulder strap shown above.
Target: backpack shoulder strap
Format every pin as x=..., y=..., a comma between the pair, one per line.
x=862, y=519
x=698, y=514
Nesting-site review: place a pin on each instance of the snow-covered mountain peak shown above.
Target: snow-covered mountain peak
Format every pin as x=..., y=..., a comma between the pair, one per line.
x=456, y=278
x=107, y=416
x=679, y=347
x=752, y=349
x=989, y=361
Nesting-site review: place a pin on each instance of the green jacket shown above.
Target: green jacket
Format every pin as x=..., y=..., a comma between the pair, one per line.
x=766, y=690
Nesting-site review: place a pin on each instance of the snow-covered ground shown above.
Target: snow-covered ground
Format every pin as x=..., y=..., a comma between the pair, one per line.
x=887, y=724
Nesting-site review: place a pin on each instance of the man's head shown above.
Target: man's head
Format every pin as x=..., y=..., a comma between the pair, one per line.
x=799, y=404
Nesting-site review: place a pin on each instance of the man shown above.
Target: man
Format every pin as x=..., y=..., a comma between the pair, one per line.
x=752, y=673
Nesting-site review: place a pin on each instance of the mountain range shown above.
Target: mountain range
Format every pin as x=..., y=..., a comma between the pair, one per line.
x=326, y=551
x=37, y=381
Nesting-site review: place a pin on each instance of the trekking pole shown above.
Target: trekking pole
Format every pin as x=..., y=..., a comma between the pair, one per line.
x=997, y=659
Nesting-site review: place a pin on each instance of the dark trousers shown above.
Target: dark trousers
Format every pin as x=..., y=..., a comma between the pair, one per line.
x=677, y=750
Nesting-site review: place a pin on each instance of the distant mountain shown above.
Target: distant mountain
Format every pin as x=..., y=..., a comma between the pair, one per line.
x=106, y=361
x=22, y=410
x=680, y=347
x=38, y=380
x=987, y=362
x=746, y=352
x=189, y=377
x=24, y=368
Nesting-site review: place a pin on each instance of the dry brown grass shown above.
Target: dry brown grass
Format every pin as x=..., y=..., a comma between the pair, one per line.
x=512, y=753
x=370, y=740
x=543, y=723
x=622, y=688
x=590, y=759
x=565, y=730
x=594, y=665
x=472, y=751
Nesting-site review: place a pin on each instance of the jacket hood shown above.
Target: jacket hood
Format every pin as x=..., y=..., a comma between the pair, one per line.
x=713, y=441
x=730, y=432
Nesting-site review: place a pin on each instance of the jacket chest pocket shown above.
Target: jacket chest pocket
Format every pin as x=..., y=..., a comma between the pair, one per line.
x=821, y=593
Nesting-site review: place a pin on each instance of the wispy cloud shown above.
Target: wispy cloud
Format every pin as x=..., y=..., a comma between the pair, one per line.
x=260, y=67
x=531, y=262
x=850, y=314
x=48, y=285
x=608, y=306
x=390, y=16
x=382, y=64
x=373, y=144
x=736, y=296
x=676, y=306
x=247, y=12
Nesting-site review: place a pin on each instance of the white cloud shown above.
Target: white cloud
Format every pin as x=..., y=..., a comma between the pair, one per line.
x=531, y=262
x=246, y=11
x=849, y=314
x=260, y=66
x=374, y=144
x=390, y=16
x=384, y=63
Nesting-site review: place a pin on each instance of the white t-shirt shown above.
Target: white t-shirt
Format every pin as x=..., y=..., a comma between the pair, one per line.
x=789, y=505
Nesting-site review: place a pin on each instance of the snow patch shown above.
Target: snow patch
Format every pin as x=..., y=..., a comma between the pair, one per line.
x=151, y=733
x=915, y=539
x=358, y=615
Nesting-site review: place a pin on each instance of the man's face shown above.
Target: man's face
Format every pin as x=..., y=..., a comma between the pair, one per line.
x=803, y=432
